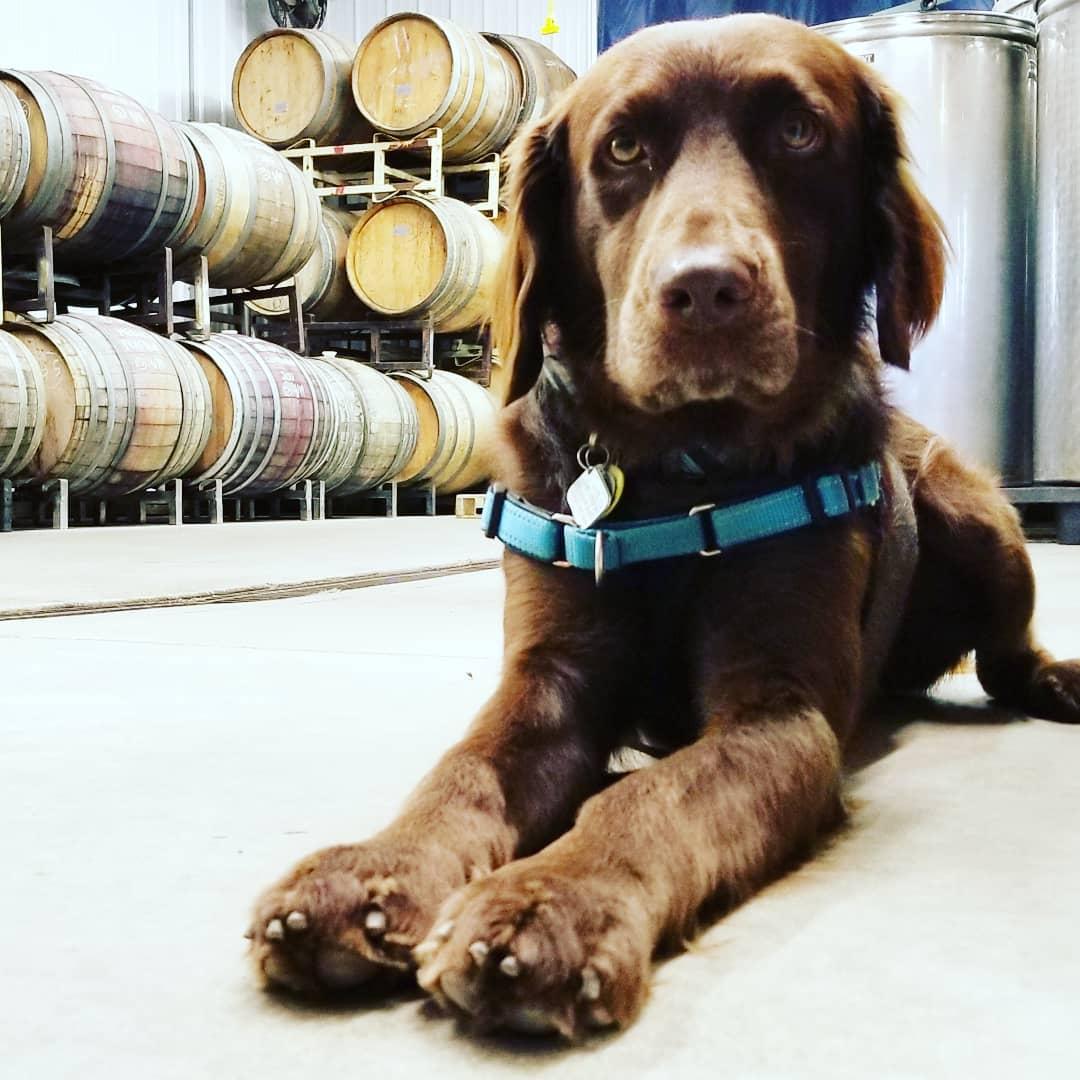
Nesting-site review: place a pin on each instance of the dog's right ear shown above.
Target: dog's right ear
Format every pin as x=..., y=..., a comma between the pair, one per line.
x=537, y=194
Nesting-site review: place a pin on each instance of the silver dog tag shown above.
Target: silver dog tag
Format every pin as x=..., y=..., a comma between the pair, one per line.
x=590, y=496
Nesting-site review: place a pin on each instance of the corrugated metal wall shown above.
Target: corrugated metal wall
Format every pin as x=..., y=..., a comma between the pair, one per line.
x=177, y=55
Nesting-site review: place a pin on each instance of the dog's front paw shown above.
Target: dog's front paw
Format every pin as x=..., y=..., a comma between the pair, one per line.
x=537, y=950
x=1055, y=692
x=348, y=916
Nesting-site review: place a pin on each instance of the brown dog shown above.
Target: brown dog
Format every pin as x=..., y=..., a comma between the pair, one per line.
x=699, y=225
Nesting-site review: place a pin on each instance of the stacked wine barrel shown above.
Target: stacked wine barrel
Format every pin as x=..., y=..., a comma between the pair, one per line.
x=115, y=409
x=408, y=257
x=117, y=183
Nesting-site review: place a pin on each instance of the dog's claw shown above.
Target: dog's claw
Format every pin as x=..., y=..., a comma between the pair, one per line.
x=590, y=985
x=479, y=950
x=297, y=921
x=375, y=923
x=274, y=930
x=599, y=1017
x=510, y=966
x=443, y=931
x=425, y=951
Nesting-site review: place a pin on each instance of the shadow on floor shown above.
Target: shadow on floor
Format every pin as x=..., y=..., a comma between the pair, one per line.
x=878, y=733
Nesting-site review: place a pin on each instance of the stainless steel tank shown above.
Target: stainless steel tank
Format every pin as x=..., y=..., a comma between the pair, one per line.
x=968, y=81
x=1057, y=307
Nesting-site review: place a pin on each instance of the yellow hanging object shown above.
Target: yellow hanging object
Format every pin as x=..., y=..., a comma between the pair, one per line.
x=616, y=482
x=550, y=25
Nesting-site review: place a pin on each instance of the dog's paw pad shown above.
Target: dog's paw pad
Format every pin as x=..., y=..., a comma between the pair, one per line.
x=339, y=919
x=542, y=955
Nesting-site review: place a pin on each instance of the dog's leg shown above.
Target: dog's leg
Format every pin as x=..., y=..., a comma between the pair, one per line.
x=563, y=940
x=349, y=913
x=974, y=590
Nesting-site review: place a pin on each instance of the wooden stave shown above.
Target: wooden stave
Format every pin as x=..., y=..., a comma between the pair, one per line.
x=535, y=60
x=274, y=383
x=474, y=456
x=337, y=119
x=389, y=428
x=464, y=441
x=49, y=200
x=225, y=212
x=326, y=422
x=157, y=403
x=14, y=150
x=479, y=110
x=252, y=413
x=23, y=392
x=478, y=253
x=472, y=259
x=195, y=411
x=435, y=396
x=325, y=293
x=156, y=215
x=88, y=192
x=344, y=422
x=104, y=407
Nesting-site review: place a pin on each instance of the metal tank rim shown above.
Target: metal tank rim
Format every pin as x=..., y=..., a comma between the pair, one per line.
x=909, y=24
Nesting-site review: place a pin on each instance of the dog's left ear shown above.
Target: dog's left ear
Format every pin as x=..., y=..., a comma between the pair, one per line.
x=522, y=301
x=906, y=239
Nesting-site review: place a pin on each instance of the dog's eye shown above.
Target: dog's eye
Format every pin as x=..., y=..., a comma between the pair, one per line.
x=624, y=149
x=800, y=130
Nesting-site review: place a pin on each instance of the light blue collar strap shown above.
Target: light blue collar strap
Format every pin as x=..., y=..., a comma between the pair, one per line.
x=705, y=530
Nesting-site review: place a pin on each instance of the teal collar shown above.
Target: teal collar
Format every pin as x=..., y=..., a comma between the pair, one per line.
x=704, y=530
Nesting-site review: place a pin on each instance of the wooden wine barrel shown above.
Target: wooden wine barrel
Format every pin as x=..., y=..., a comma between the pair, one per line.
x=328, y=420
x=264, y=414
x=290, y=85
x=112, y=178
x=22, y=406
x=115, y=415
x=343, y=423
x=539, y=74
x=390, y=428
x=325, y=293
x=14, y=149
x=415, y=257
x=414, y=72
x=456, y=442
x=255, y=217
x=197, y=411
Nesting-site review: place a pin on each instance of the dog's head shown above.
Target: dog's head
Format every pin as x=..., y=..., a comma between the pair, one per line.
x=706, y=215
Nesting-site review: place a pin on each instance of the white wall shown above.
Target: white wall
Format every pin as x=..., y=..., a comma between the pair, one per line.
x=177, y=56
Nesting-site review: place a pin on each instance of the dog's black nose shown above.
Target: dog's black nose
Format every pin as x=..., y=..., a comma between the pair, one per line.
x=707, y=287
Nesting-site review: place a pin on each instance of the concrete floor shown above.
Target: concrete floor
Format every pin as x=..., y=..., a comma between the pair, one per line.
x=159, y=767
x=93, y=569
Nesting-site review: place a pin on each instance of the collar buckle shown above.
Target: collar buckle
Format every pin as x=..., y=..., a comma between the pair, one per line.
x=710, y=546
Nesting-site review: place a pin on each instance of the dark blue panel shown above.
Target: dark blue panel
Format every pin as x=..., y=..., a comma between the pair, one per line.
x=618, y=18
